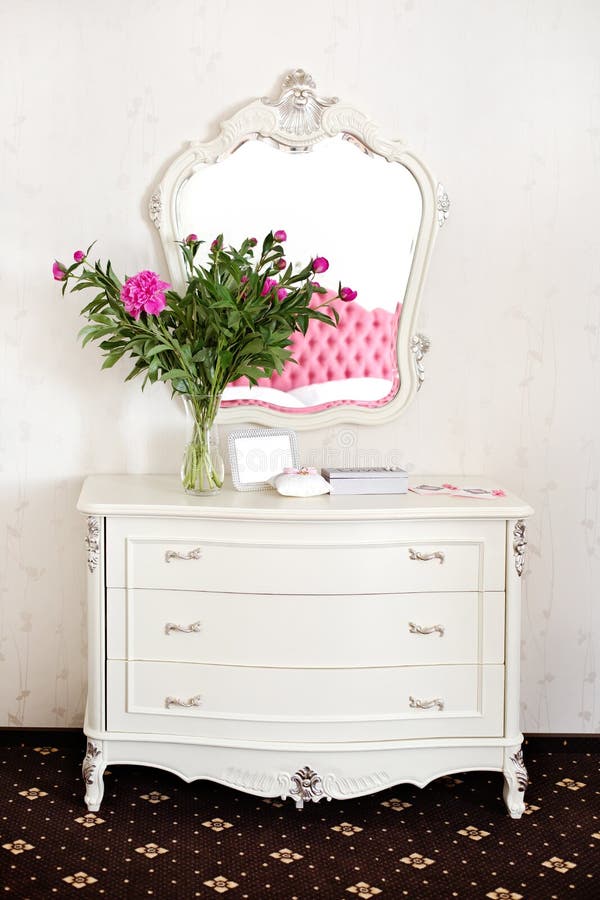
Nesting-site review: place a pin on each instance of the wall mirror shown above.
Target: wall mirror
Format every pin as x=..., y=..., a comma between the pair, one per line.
x=321, y=170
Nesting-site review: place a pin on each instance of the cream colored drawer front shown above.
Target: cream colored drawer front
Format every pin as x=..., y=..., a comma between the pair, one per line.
x=287, y=630
x=310, y=704
x=398, y=559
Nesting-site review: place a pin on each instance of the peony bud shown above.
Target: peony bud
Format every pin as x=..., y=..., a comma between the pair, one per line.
x=280, y=236
x=253, y=242
x=268, y=286
x=347, y=294
x=58, y=270
x=191, y=238
x=79, y=256
x=282, y=293
x=281, y=263
x=244, y=279
x=320, y=264
x=216, y=244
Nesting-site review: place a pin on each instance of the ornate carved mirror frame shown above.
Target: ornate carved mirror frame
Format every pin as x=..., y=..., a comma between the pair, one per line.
x=296, y=121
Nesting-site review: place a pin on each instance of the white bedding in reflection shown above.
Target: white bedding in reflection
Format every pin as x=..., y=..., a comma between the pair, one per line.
x=359, y=389
x=266, y=394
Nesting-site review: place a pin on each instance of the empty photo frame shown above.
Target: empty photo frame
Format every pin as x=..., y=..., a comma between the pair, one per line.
x=258, y=454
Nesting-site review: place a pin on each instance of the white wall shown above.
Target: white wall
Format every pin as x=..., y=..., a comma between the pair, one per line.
x=503, y=101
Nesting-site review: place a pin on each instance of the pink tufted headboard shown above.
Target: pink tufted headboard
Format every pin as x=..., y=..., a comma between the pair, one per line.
x=363, y=345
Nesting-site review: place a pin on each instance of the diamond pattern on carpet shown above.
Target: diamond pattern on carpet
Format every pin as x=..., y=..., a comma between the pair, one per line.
x=157, y=837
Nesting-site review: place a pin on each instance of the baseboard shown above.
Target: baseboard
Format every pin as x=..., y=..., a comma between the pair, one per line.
x=41, y=737
x=541, y=743
x=562, y=743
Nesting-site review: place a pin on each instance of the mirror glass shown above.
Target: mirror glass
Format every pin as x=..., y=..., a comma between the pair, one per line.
x=337, y=199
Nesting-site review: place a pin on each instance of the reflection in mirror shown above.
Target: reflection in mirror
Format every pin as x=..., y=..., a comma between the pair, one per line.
x=322, y=171
x=340, y=200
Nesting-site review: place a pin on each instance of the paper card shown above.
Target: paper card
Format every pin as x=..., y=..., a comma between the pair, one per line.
x=452, y=490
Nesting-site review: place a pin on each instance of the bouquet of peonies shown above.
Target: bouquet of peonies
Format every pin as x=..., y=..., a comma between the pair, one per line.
x=235, y=319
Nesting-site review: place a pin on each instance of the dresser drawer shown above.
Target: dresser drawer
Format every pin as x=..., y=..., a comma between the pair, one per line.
x=402, y=558
x=309, y=704
x=312, y=630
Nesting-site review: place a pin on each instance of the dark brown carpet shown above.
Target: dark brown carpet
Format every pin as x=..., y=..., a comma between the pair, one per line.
x=157, y=837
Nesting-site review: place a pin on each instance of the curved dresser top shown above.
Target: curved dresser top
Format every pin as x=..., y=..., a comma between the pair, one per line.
x=162, y=495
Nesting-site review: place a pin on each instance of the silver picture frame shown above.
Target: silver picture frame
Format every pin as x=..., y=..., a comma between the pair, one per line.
x=258, y=454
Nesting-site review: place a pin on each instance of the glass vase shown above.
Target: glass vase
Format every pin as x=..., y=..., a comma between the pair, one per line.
x=202, y=467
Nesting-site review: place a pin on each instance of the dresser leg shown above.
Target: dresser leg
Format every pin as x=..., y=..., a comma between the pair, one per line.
x=92, y=770
x=515, y=781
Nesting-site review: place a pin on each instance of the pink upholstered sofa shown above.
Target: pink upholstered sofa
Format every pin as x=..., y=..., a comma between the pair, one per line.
x=357, y=358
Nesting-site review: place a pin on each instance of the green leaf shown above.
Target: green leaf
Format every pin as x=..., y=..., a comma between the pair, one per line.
x=173, y=374
x=253, y=346
x=267, y=243
x=159, y=348
x=322, y=317
x=112, y=358
x=252, y=371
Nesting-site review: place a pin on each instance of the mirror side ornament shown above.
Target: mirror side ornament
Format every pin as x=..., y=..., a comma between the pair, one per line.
x=155, y=208
x=420, y=345
x=443, y=205
x=307, y=126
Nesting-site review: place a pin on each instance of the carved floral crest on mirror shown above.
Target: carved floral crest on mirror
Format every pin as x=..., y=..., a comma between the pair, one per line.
x=321, y=170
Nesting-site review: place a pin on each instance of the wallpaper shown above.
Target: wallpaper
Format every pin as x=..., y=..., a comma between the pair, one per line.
x=502, y=99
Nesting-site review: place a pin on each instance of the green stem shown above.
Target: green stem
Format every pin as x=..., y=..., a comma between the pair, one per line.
x=200, y=471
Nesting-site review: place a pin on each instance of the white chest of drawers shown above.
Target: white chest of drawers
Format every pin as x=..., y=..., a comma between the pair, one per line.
x=328, y=647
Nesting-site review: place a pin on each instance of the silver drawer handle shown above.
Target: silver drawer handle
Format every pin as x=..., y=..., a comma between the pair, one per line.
x=426, y=704
x=438, y=554
x=173, y=554
x=423, y=629
x=175, y=701
x=186, y=629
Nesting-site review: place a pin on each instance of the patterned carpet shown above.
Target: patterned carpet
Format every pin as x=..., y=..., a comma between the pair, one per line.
x=157, y=837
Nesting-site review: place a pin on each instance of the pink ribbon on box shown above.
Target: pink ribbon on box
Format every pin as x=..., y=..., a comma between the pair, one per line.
x=303, y=470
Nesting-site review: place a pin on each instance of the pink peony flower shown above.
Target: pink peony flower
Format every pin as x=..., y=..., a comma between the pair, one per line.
x=79, y=256
x=268, y=286
x=280, y=236
x=281, y=263
x=191, y=238
x=58, y=270
x=144, y=291
x=347, y=294
x=282, y=293
x=320, y=264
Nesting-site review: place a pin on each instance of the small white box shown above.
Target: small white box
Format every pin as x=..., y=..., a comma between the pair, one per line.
x=367, y=480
